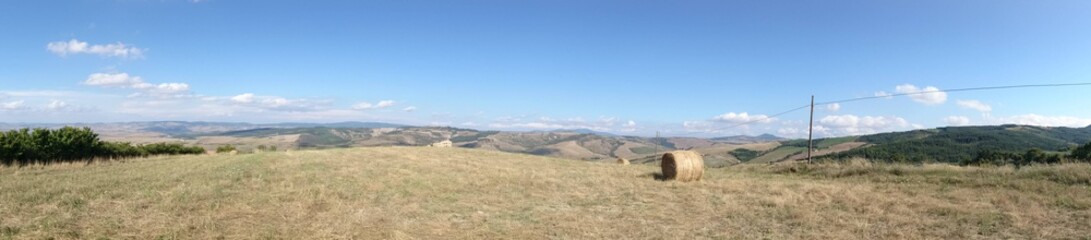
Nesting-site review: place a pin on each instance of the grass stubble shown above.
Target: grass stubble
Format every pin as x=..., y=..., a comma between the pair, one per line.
x=452, y=193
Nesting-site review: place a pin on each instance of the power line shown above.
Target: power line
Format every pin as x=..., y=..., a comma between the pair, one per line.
x=765, y=118
x=954, y=90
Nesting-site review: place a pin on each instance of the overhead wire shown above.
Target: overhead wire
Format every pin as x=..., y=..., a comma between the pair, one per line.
x=878, y=96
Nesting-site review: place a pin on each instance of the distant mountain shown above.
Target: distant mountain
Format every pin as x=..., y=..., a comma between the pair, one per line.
x=950, y=144
x=583, y=144
x=186, y=129
x=336, y=125
x=566, y=143
x=586, y=131
x=749, y=139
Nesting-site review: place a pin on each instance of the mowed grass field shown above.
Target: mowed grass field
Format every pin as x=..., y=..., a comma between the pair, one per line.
x=450, y=193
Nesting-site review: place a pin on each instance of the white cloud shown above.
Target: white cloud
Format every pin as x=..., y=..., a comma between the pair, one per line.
x=13, y=105
x=63, y=48
x=546, y=123
x=87, y=106
x=124, y=80
x=928, y=95
x=975, y=105
x=167, y=88
x=291, y=105
x=261, y=109
x=737, y=118
x=113, y=80
x=162, y=90
x=274, y=103
x=47, y=105
x=833, y=107
x=363, y=106
x=243, y=98
x=957, y=120
x=697, y=126
x=1049, y=121
x=729, y=123
x=46, y=94
x=56, y=105
x=410, y=109
x=791, y=132
x=529, y=125
x=840, y=120
x=840, y=125
x=629, y=126
x=381, y=104
x=384, y=104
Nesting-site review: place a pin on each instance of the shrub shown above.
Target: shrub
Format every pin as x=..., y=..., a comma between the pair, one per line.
x=67, y=144
x=1033, y=156
x=1082, y=153
x=225, y=149
x=745, y=155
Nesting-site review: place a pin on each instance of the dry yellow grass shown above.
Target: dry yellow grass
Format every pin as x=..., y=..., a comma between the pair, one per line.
x=452, y=193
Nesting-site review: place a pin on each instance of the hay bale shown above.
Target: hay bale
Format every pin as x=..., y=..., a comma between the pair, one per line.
x=622, y=161
x=444, y=143
x=683, y=166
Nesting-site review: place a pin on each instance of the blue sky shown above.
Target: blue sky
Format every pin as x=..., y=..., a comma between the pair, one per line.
x=685, y=68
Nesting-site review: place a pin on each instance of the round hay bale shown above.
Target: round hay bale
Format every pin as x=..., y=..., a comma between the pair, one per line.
x=683, y=166
x=622, y=161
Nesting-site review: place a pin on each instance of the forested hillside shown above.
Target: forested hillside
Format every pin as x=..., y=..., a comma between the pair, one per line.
x=960, y=144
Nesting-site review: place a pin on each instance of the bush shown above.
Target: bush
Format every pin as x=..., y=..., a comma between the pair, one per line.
x=1033, y=156
x=1082, y=153
x=745, y=155
x=25, y=146
x=171, y=149
x=225, y=149
x=68, y=144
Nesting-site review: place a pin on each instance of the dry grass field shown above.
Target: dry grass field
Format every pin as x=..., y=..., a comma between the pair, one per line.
x=452, y=193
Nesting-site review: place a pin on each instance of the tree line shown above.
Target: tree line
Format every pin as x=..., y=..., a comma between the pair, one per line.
x=70, y=144
x=1033, y=156
x=1006, y=144
x=988, y=156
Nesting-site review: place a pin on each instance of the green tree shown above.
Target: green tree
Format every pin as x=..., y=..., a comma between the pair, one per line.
x=1082, y=153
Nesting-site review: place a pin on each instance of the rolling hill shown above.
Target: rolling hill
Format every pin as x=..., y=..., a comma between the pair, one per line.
x=457, y=193
x=561, y=143
x=955, y=144
x=948, y=144
x=580, y=144
x=749, y=139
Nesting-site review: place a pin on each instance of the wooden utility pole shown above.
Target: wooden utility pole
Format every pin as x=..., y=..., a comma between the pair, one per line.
x=810, y=132
x=656, y=143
